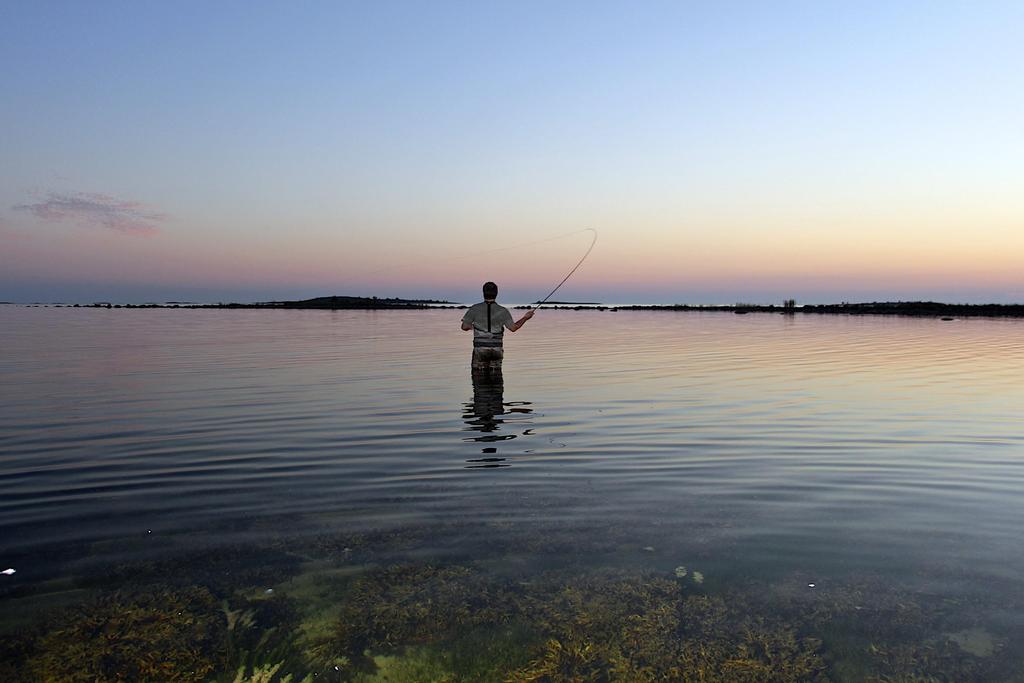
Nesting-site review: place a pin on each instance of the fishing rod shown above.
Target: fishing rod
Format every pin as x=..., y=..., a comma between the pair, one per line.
x=476, y=254
x=578, y=264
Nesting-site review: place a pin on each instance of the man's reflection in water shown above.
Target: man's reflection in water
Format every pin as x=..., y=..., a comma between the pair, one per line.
x=491, y=416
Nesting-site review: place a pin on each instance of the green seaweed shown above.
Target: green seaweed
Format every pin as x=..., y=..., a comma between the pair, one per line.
x=487, y=653
x=263, y=639
x=267, y=673
x=416, y=663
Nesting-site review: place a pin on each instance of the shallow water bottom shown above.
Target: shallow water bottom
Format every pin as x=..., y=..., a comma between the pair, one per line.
x=505, y=602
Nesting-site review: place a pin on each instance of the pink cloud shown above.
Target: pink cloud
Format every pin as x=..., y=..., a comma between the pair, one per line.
x=96, y=210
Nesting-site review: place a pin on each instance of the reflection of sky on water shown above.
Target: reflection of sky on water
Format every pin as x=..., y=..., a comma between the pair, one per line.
x=795, y=442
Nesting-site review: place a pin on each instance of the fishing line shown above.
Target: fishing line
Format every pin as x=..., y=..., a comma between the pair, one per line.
x=419, y=262
x=578, y=264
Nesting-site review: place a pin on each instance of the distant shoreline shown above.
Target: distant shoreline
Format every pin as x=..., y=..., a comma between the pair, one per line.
x=333, y=303
x=329, y=303
x=903, y=308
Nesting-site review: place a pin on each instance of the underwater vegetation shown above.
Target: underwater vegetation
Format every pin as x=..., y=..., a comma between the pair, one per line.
x=268, y=673
x=15, y=649
x=876, y=631
x=411, y=603
x=365, y=608
x=177, y=636
x=609, y=626
x=261, y=643
x=415, y=663
x=613, y=627
x=628, y=625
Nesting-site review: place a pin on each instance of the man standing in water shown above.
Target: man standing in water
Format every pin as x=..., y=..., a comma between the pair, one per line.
x=487, y=319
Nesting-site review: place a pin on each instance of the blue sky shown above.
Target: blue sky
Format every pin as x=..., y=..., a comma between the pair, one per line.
x=724, y=151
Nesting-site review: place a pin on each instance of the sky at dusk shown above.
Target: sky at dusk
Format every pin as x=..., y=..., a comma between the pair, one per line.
x=724, y=151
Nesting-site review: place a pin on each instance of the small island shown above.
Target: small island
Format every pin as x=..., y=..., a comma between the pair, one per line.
x=330, y=303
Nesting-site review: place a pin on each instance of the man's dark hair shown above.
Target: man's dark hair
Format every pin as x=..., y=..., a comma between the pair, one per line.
x=490, y=290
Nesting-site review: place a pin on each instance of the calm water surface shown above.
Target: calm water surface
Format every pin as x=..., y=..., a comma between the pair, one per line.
x=852, y=482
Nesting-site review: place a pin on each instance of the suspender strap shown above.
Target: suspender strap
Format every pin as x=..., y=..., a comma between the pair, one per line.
x=490, y=339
